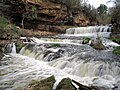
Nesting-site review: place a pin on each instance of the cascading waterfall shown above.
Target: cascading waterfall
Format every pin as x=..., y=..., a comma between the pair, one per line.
x=92, y=64
x=85, y=63
x=90, y=31
x=81, y=63
x=61, y=58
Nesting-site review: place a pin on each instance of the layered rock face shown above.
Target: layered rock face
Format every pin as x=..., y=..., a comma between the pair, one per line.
x=39, y=13
x=49, y=12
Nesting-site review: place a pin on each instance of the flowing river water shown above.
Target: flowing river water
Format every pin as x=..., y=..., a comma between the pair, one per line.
x=62, y=58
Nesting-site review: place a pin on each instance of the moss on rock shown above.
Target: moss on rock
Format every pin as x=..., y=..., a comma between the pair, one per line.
x=117, y=50
x=65, y=84
x=86, y=40
x=45, y=84
x=55, y=45
x=19, y=45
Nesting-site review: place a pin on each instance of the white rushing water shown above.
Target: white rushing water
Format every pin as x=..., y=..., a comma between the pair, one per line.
x=13, y=48
x=90, y=31
x=10, y=48
x=41, y=59
x=18, y=71
x=89, y=67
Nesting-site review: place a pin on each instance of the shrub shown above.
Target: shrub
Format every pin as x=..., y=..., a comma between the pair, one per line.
x=3, y=22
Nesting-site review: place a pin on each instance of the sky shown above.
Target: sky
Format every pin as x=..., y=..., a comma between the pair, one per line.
x=96, y=3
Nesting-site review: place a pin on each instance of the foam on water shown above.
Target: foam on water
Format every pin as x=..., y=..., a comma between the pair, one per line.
x=17, y=71
x=82, y=63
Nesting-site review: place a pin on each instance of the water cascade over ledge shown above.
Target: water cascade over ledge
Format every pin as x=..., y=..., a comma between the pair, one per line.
x=10, y=48
x=90, y=31
x=62, y=58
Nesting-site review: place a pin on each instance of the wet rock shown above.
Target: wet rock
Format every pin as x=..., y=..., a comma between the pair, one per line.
x=1, y=52
x=52, y=54
x=85, y=40
x=115, y=37
x=45, y=84
x=1, y=55
x=65, y=84
x=97, y=44
x=19, y=45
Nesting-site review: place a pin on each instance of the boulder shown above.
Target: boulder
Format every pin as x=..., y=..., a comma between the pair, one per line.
x=97, y=44
x=65, y=84
x=45, y=84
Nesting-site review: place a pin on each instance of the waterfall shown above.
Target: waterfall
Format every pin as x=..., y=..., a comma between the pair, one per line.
x=79, y=62
x=13, y=48
x=62, y=58
x=76, y=63
x=90, y=31
x=10, y=48
x=83, y=69
x=83, y=61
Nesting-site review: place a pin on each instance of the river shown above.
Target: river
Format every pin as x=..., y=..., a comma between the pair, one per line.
x=63, y=57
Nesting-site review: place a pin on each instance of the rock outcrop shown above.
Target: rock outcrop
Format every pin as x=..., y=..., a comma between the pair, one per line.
x=80, y=19
x=40, y=13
